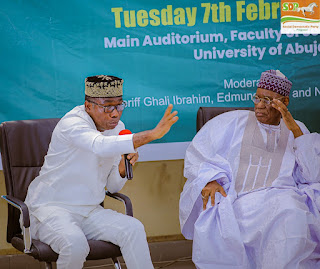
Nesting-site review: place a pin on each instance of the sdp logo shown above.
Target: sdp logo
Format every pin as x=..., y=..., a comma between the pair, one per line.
x=290, y=6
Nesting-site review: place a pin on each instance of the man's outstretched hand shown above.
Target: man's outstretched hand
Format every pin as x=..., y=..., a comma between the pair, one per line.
x=169, y=118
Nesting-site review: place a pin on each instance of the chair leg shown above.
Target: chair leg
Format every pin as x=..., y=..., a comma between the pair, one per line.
x=116, y=263
x=48, y=265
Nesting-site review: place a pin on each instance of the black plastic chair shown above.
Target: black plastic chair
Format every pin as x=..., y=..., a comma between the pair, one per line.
x=205, y=114
x=23, y=146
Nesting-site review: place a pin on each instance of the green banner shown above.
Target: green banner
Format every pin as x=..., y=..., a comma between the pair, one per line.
x=188, y=53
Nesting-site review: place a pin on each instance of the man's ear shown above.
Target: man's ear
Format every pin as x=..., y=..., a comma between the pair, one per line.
x=87, y=106
x=286, y=100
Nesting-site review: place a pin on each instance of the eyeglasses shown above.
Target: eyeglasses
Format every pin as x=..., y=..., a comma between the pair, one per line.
x=267, y=100
x=109, y=109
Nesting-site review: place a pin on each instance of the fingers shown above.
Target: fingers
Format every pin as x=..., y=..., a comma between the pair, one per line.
x=174, y=119
x=223, y=192
x=205, y=196
x=278, y=105
x=168, y=110
x=133, y=157
x=173, y=114
x=213, y=196
x=287, y=118
x=205, y=199
x=171, y=117
x=285, y=113
x=168, y=113
x=282, y=110
x=166, y=122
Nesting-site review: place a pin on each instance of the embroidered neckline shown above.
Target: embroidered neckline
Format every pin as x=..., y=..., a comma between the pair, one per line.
x=269, y=127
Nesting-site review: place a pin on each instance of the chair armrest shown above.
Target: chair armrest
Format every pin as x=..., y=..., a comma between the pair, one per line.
x=123, y=198
x=21, y=206
x=25, y=219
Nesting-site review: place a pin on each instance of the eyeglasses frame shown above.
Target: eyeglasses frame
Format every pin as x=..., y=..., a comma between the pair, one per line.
x=266, y=100
x=123, y=104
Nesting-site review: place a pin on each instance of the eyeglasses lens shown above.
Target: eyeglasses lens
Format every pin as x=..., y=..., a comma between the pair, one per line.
x=109, y=109
x=257, y=100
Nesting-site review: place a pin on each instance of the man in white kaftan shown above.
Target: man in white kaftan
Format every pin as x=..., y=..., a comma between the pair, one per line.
x=83, y=159
x=262, y=173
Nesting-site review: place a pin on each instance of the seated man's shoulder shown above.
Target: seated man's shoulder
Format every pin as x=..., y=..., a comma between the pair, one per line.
x=226, y=122
x=76, y=115
x=75, y=119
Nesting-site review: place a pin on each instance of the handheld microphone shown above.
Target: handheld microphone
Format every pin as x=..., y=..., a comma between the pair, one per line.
x=129, y=173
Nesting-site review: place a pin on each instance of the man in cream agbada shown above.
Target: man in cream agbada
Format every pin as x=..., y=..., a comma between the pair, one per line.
x=252, y=197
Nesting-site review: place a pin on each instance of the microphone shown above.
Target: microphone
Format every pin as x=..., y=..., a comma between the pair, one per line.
x=129, y=173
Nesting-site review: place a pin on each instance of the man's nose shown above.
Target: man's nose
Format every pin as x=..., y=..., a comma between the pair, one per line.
x=114, y=113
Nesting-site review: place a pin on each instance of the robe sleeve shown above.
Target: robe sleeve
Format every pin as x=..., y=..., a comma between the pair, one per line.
x=205, y=161
x=307, y=171
x=115, y=182
x=307, y=153
x=80, y=133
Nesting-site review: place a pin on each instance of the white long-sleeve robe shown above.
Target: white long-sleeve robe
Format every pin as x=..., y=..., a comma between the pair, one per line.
x=80, y=163
x=270, y=217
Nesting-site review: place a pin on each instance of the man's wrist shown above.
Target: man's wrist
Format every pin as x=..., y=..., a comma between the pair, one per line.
x=142, y=138
x=297, y=132
x=154, y=134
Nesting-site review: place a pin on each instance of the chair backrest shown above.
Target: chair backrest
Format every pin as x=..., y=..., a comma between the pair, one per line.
x=207, y=113
x=23, y=145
